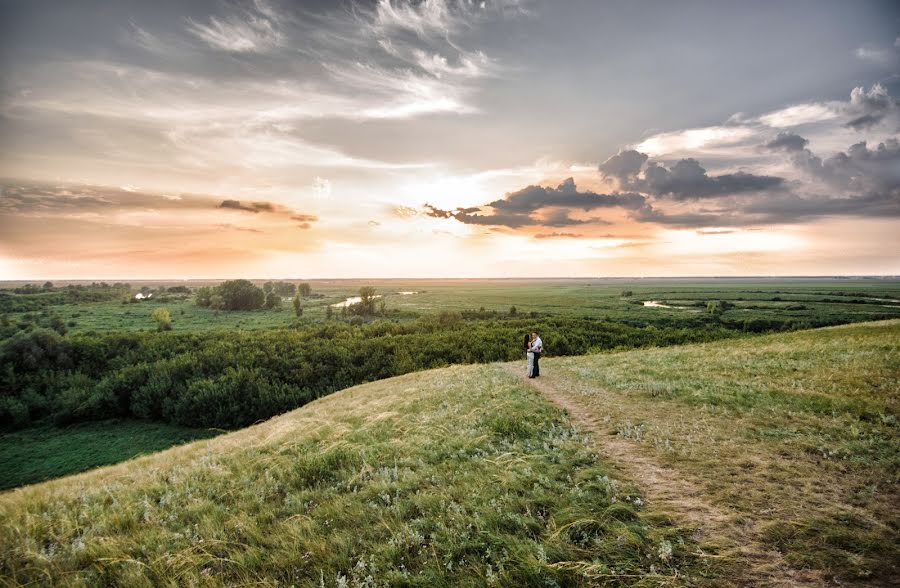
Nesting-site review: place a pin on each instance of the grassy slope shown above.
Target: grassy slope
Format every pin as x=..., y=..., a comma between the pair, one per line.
x=455, y=477
x=40, y=453
x=797, y=434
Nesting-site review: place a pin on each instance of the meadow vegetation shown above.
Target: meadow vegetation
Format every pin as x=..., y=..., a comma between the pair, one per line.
x=44, y=452
x=796, y=434
x=456, y=477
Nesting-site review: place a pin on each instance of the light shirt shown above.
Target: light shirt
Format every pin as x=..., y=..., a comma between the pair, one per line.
x=537, y=346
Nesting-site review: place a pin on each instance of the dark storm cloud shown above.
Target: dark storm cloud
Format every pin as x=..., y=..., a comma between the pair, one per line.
x=566, y=195
x=686, y=180
x=517, y=209
x=787, y=141
x=252, y=207
x=468, y=216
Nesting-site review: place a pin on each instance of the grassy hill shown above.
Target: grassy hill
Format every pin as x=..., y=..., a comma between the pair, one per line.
x=469, y=476
x=451, y=477
x=795, y=437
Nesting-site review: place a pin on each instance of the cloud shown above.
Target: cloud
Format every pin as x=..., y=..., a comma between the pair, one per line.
x=624, y=165
x=881, y=55
x=859, y=168
x=45, y=199
x=252, y=207
x=870, y=108
x=694, y=140
x=532, y=198
x=686, y=180
x=787, y=141
x=556, y=235
x=252, y=30
x=800, y=114
x=540, y=206
x=793, y=208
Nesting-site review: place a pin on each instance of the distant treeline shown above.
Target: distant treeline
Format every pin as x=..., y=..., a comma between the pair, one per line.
x=233, y=379
x=32, y=297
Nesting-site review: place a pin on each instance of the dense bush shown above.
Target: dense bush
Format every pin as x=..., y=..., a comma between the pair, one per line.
x=231, y=380
x=234, y=295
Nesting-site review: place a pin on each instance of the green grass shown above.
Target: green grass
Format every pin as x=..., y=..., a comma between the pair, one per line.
x=844, y=300
x=455, y=477
x=797, y=434
x=40, y=453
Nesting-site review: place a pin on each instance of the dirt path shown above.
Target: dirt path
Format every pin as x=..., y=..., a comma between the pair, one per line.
x=685, y=501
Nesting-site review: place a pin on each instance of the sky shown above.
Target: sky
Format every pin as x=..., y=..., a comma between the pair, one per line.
x=448, y=138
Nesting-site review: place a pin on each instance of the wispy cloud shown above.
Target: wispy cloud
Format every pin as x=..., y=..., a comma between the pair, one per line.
x=253, y=29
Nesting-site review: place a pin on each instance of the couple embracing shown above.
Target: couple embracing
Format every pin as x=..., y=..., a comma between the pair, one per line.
x=533, y=348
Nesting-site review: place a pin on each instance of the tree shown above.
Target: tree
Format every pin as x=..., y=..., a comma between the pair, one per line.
x=48, y=285
x=513, y=311
x=58, y=325
x=163, y=319
x=366, y=304
x=305, y=290
x=298, y=306
x=273, y=300
x=329, y=312
x=203, y=296
x=217, y=303
x=285, y=288
x=268, y=287
x=241, y=295
x=627, y=294
x=717, y=306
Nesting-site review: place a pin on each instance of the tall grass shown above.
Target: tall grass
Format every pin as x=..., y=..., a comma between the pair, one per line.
x=797, y=433
x=455, y=477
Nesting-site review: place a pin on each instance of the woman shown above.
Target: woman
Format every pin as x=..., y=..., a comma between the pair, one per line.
x=529, y=354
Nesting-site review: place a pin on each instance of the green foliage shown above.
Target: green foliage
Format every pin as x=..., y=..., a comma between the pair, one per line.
x=32, y=297
x=718, y=306
x=241, y=295
x=273, y=300
x=366, y=304
x=179, y=378
x=298, y=305
x=163, y=319
x=305, y=290
x=203, y=296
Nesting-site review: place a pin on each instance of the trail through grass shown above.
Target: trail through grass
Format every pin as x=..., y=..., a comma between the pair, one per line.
x=794, y=437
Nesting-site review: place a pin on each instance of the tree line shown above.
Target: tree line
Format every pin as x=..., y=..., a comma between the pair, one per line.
x=234, y=379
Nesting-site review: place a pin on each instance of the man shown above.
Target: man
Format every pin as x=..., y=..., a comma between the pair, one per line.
x=537, y=346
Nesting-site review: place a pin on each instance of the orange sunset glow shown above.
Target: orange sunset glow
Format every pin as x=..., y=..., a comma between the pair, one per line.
x=444, y=139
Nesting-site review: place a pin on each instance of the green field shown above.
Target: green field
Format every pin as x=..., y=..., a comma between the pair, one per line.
x=442, y=322
x=40, y=453
x=468, y=476
x=813, y=300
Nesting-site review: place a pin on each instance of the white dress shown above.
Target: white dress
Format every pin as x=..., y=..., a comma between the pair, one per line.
x=530, y=355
